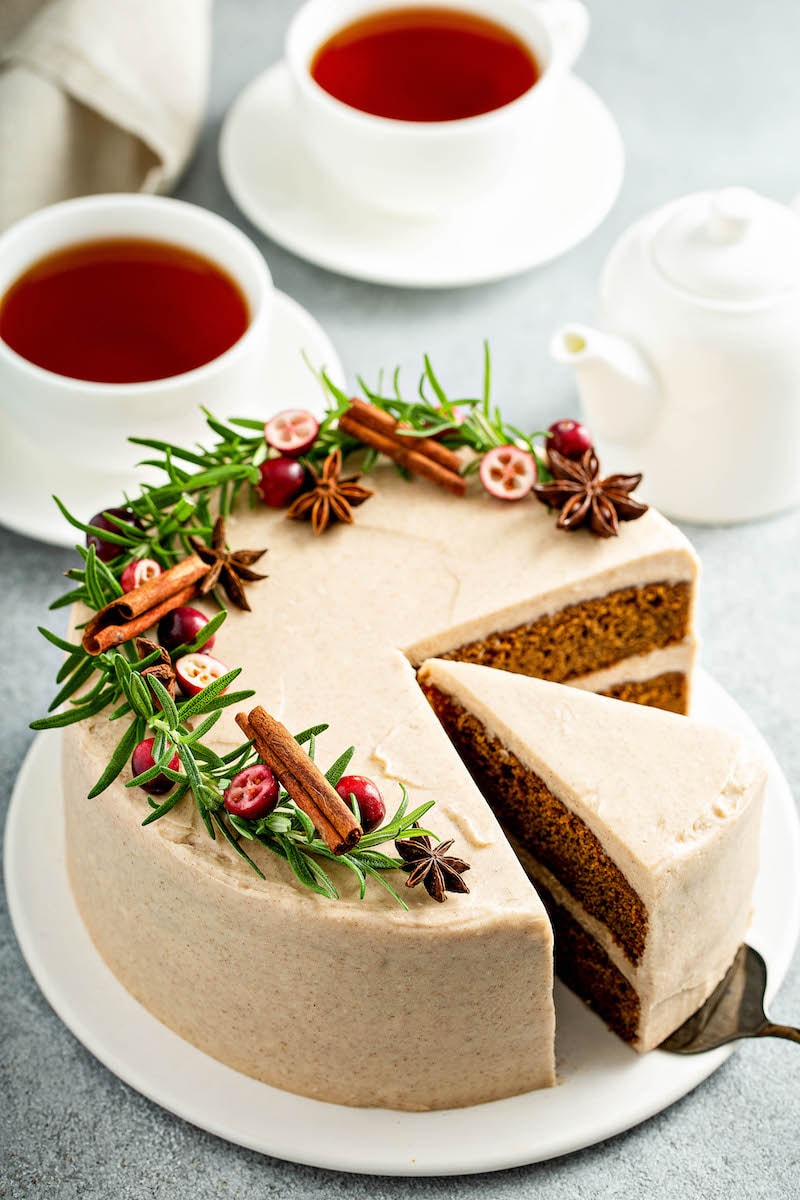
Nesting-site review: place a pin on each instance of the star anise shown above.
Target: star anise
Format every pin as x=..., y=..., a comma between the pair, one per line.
x=331, y=498
x=162, y=670
x=432, y=866
x=230, y=568
x=584, y=498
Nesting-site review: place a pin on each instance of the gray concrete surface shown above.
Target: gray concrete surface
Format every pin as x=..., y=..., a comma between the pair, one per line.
x=706, y=94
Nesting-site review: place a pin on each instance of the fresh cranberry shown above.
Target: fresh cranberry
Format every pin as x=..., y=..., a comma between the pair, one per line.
x=252, y=793
x=142, y=760
x=104, y=550
x=458, y=416
x=292, y=431
x=139, y=572
x=281, y=480
x=196, y=671
x=181, y=626
x=370, y=801
x=507, y=472
x=569, y=438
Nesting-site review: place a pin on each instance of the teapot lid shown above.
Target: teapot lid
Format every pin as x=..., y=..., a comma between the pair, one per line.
x=732, y=245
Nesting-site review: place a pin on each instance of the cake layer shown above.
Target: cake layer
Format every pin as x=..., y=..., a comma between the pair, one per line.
x=583, y=965
x=669, y=691
x=589, y=636
x=660, y=678
x=673, y=804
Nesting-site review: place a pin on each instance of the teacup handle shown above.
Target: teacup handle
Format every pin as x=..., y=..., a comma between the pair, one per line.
x=568, y=24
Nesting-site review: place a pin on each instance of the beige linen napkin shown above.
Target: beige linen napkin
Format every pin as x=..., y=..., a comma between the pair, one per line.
x=97, y=95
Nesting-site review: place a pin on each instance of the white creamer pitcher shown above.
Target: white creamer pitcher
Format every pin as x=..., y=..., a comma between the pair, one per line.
x=692, y=374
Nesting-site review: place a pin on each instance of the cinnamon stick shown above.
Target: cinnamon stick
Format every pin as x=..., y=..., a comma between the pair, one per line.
x=303, y=780
x=397, y=448
x=383, y=422
x=132, y=614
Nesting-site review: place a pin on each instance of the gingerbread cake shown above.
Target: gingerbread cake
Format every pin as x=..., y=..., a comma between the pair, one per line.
x=320, y=996
x=639, y=828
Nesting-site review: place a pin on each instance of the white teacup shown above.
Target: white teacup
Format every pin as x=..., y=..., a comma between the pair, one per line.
x=430, y=168
x=87, y=424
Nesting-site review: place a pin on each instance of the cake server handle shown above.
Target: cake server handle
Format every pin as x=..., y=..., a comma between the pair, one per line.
x=790, y=1032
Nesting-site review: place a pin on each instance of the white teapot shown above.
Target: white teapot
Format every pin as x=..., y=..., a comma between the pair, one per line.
x=692, y=375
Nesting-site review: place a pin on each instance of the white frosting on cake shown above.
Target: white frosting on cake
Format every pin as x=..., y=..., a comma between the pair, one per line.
x=327, y=997
x=675, y=803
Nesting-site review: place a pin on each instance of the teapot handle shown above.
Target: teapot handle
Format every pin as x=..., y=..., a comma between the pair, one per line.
x=567, y=22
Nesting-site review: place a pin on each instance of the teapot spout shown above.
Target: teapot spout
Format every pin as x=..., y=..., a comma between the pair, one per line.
x=620, y=394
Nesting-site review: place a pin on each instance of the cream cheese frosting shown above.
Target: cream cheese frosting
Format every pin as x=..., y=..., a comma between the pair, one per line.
x=318, y=996
x=675, y=803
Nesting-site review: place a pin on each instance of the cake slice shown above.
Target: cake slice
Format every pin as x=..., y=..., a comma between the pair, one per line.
x=640, y=829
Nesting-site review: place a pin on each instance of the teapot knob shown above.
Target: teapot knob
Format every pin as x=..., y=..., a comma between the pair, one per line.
x=731, y=213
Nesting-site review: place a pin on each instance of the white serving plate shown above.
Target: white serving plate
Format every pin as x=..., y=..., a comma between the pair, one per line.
x=603, y=1087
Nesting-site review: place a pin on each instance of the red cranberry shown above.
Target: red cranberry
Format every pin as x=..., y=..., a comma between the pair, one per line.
x=507, y=472
x=139, y=572
x=181, y=626
x=142, y=760
x=104, y=550
x=252, y=793
x=569, y=438
x=196, y=671
x=370, y=801
x=292, y=431
x=458, y=416
x=281, y=480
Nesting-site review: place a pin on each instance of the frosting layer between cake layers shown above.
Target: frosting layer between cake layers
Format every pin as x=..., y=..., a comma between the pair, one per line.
x=672, y=807
x=325, y=997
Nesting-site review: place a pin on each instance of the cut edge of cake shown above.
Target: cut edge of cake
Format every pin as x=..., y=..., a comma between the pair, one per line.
x=626, y=633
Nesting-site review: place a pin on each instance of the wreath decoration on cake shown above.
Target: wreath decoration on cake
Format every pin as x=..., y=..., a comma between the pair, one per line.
x=144, y=562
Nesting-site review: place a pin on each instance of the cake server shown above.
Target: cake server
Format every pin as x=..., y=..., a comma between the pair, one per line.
x=735, y=1009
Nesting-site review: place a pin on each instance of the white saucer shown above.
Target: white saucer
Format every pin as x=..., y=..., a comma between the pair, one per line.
x=561, y=195
x=30, y=477
x=604, y=1086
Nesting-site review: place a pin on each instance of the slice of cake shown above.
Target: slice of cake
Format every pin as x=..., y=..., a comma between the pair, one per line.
x=640, y=829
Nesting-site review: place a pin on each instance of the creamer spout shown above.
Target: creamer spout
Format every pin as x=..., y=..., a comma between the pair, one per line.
x=620, y=394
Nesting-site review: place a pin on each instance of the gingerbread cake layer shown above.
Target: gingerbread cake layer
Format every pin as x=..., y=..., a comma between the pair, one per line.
x=659, y=678
x=641, y=825
x=588, y=636
x=583, y=965
x=669, y=691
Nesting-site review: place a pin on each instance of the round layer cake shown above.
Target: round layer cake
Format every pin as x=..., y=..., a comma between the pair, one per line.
x=353, y=1000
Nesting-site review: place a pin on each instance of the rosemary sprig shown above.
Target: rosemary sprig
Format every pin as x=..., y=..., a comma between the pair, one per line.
x=201, y=481
x=182, y=728
x=115, y=682
x=289, y=834
x=467, y=421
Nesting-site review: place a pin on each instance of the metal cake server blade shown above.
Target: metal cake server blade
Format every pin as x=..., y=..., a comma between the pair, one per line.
x=735, y=1009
